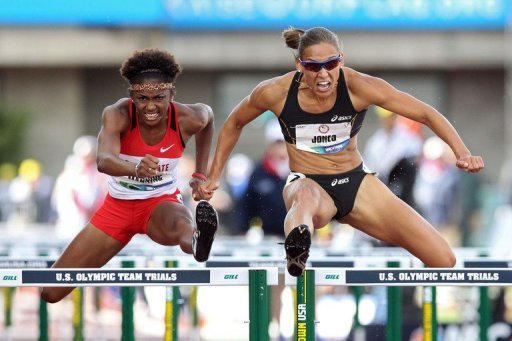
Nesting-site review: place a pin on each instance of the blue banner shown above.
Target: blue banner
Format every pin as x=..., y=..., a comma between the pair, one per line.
x=262, y=14
x=339, y=14
x=84, y=13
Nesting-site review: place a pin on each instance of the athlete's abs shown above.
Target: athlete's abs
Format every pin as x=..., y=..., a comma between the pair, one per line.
x=309, y=163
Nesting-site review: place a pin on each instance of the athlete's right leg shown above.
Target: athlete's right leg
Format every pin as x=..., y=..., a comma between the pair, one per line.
x=307, y=203
x=309, y=206
x=91, y=248
x=206, y=228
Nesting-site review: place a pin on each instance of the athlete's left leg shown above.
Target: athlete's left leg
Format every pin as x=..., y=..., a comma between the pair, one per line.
x=381, y=214
x=91, y=248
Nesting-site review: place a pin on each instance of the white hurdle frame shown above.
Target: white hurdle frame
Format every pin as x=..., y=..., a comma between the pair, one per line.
x=257, y=279
x=61, y=277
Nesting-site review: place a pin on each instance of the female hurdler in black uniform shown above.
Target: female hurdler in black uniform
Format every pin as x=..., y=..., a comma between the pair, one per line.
x=321, y=107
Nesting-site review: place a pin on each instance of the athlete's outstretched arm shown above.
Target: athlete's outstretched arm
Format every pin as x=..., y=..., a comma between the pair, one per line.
x=247, y=110
x=376, y=91
x=204, y=139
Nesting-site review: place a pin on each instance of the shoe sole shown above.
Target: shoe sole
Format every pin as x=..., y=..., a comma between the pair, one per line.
x=206, y=222
x=302, y=238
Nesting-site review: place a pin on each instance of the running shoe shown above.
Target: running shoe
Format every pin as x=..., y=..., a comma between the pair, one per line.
x=206, y=227
x=297, y=245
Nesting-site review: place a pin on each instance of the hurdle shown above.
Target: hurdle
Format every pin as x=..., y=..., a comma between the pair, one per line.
x=32, y=262
x=429, y=298
x=484, y=308
x=393, y=327
x=425, y=277
x=304, y=288
x=334, y=262
x=257, y=279
x=305, y=293
x=77, y=296
x=253, y=261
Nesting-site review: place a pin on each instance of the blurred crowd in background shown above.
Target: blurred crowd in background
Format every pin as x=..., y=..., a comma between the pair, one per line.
x=29, y=196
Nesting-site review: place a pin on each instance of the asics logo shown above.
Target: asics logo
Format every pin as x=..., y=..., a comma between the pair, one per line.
x=163, y=150
x=340, y=118
x=339, y=181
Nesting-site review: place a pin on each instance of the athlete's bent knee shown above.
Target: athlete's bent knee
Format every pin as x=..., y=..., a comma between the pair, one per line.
x=451, y=260
x=50, y=296
x=446, y=260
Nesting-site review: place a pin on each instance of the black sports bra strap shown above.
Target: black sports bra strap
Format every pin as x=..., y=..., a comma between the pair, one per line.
x=293, y=90
x=294, y=87
x=343, y=95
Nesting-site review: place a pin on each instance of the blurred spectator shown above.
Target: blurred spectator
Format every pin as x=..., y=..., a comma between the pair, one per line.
x=236, y=180
x=437, y=189
x=263, y=198
x=79, y=188
x=239, y=169
x=393, y=152
x=7, y=174
x=471, y=196
x=30, y=194
x=186, y=167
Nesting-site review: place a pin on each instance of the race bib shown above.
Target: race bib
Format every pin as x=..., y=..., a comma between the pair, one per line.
x=323, y=138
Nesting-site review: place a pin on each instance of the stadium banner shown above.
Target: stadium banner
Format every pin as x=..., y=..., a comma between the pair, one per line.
x=254, y=15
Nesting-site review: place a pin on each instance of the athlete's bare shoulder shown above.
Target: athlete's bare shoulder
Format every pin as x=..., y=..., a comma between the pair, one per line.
x=117, y=114
x=120, y=107
x=364, y=89
x=270, y=93
x=195, y=110
x=353, y=76
x=276, y=85
x=193, y=117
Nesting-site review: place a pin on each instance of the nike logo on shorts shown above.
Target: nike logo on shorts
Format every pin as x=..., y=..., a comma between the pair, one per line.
x=163, y=150
x=293, y=177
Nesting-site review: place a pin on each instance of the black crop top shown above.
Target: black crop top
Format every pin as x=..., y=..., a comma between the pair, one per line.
x=324, y=133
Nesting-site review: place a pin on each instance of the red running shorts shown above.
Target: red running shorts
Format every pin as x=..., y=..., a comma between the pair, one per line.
x=122, y=219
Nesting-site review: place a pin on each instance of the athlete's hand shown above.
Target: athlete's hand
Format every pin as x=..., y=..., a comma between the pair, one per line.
x=195, y=184
x=470, y=163
x=207, y=188
x=148, y=166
